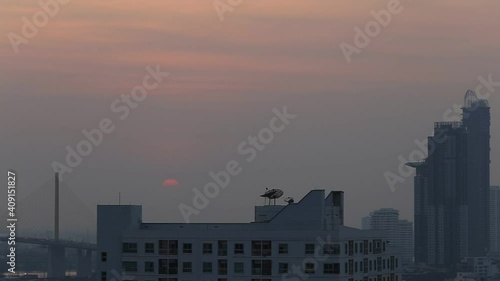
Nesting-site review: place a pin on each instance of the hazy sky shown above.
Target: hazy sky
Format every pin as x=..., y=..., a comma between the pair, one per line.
x=353, y=119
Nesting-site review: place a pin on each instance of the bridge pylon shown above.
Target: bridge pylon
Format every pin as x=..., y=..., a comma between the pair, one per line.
x=57, y=253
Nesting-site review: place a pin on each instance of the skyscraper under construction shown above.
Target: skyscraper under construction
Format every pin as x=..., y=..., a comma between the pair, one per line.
x=452, y=189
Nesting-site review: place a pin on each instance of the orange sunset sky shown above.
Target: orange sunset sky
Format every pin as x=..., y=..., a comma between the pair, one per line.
x=354, y=119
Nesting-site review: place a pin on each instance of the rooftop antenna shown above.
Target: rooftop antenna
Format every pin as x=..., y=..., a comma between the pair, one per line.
x=119, y=198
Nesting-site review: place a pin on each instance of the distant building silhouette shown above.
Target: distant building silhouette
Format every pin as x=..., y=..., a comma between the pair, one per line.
x=366, y=222
x=495, y=220
x=476, y=118
x=452, y=189
x=399, y=232
x=405, y=242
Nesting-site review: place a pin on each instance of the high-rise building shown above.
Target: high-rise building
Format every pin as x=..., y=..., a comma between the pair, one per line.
x=450, y=208
x=399, y=232
x=386, y=219
x=440, y=198
x=476, y=118
x=366, y=223
x=495, y=220
x=421, y=213
x=405, y=242
x=302, y=240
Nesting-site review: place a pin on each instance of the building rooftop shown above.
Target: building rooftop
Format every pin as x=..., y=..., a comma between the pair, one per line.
x=315, y=212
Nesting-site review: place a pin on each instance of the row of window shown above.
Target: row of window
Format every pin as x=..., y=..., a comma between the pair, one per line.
x=258, y=248
x=263, y=267
x=367, y=265
x=391, y=277
x=259, y=267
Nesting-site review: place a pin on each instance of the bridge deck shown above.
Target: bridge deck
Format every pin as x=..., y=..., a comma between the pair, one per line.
x=54, y=242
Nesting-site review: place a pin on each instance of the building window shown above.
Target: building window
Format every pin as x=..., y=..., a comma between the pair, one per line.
x=207, y=267
x=169, y=247
x=104, y=256
x=283, y=249
x=261, y=248
x=222, y=248
x=222, y=267
x=129, y=248
x=309, y=249
x=149, y=266
x=309, y=268
x=331, y=249
x=239, y=249
x=187, y=248
x=207, y=248
x=351, y=248
x=173, y=248
x=104, y=276
x=129, y=266
x=331, y=268
x=261, y=267
x=282, y=268
x=149, y=248
x=377, y=246
x=239, y=267
x=167, y=266
x=351, y=267
x=187, y=267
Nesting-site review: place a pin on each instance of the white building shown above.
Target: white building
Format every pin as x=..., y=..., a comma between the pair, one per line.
x=399, y=232
x=299, y=241
x=495, y=220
